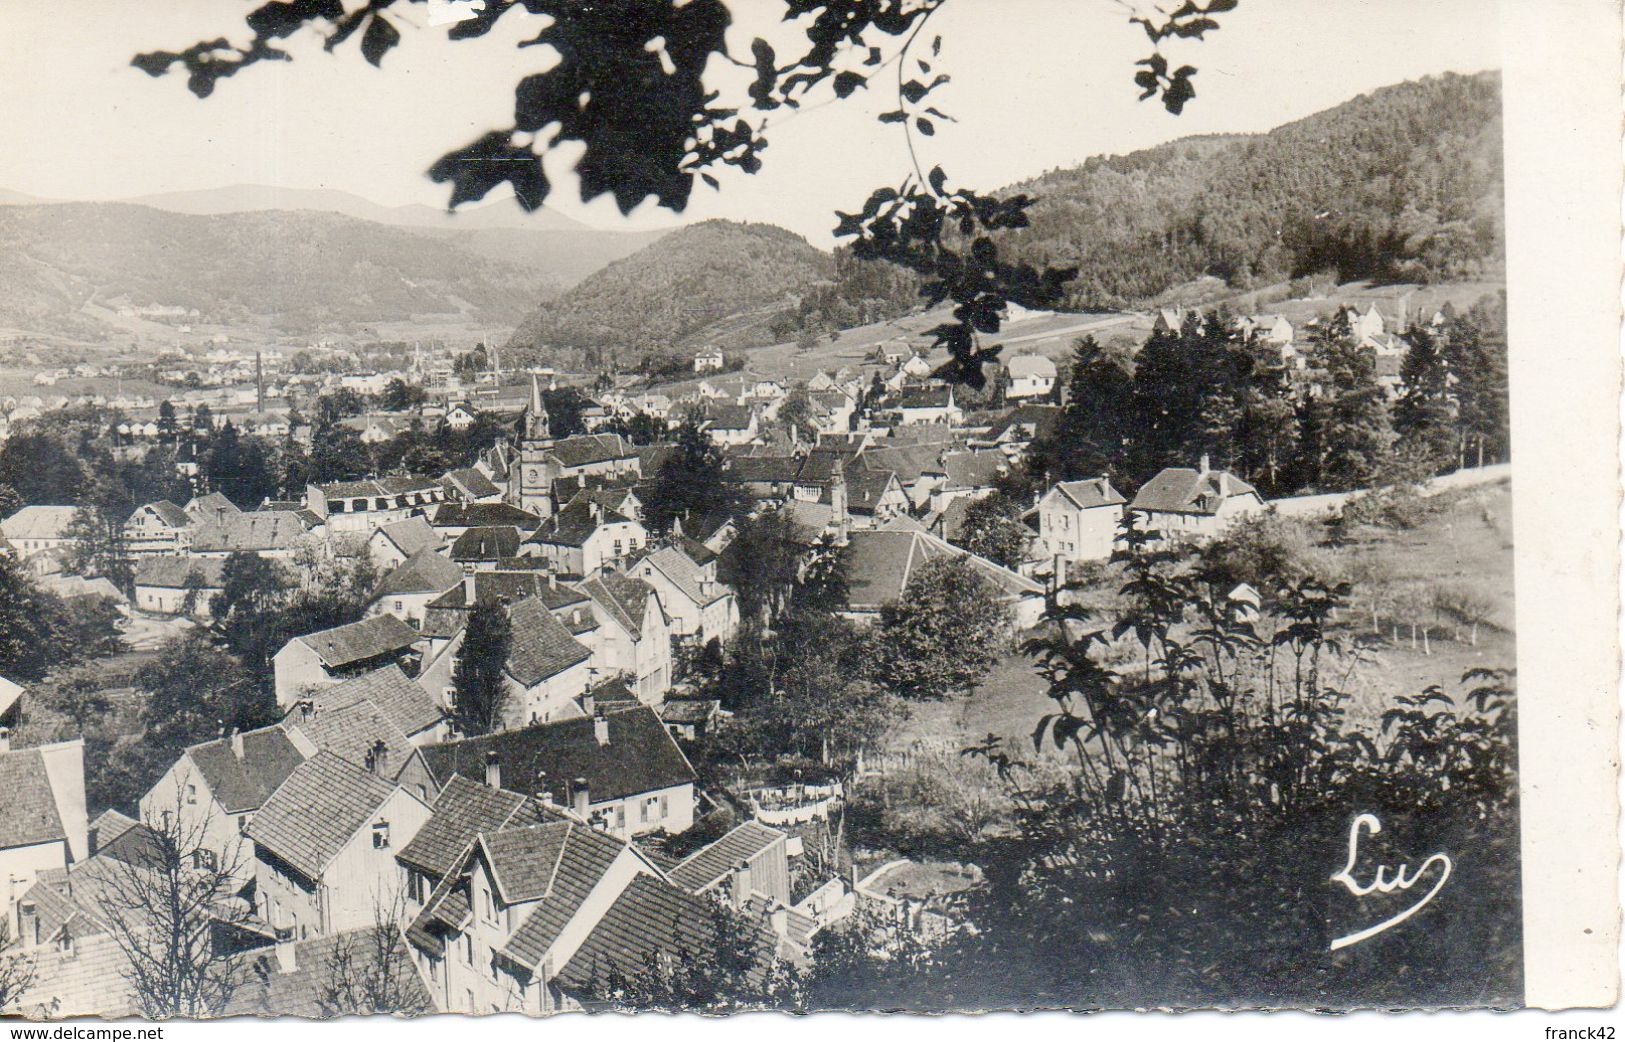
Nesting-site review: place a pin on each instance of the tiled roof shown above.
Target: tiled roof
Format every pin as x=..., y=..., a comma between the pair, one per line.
x=650, y=917
x=424, y=572
x=486, y=544
x=907, y=461
x=207, y=508
x=479, y=515
x=251, y=531
x=1090, y=493
x=864, y=490
x=359, y=641
x=28, y=813
x=879, y=564
x=447, y=613
x=927, y=398
x=697, y=551
x=464, y=808
x=169, y=513
x=39, y=522
x=175, y=573
x=586, y=449
x=726, y=416
x=264, y=989
x=575, y=524
x=403, y=701
x=687, y=576
x=640, y=756
x=763, y=469
x=471, y=482
x=652, y=457
x=581, y=856
x=624, y=597
x=702, y=869
x=315, y=812
x=411, y=535
x=1181, y=490
x=540, y=646
x=1040, y=417
x=974, y=470
x=353, y=734
x=243, y=783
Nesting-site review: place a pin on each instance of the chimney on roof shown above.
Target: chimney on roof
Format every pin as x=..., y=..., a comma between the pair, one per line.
x=237, y=743
x=287, y=956
x=600, y=729
x=580, y=798
x=28, y=926
x=1204, y=468
x=587, y=701
x=493, y=769
x=378, y=758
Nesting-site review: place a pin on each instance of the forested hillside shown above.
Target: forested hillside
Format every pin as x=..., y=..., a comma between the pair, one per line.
x=295, y=271
x=1401, y=183
x=674, y=288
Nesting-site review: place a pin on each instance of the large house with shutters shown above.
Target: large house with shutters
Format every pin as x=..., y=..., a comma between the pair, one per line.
x=1184, y=503
x=1078, y=520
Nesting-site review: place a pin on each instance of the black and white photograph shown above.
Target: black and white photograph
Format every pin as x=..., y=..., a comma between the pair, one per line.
x=538, y=506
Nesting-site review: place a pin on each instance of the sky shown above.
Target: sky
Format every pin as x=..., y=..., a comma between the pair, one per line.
x=1037, y=84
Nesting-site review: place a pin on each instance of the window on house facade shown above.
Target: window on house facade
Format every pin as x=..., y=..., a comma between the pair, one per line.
x=468, y=959
x=242, y=824
x=191, y=795
x=492, y=967
x=205, y=860
x=64, y=942
x=620, y=816
x=490, y=906
x=380, y=835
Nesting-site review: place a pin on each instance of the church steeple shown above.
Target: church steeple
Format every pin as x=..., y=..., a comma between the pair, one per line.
x=537, y=424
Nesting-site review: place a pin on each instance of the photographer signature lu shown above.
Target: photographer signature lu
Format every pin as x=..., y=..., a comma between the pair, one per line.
x=1387, y=879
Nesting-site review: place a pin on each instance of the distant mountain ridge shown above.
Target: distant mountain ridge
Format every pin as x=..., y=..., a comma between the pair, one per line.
x=248, y=198
x=670, y=293
x=297, y=272
x=1404, y=183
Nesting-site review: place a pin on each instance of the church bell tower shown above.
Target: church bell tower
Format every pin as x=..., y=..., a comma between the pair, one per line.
x=536, y=464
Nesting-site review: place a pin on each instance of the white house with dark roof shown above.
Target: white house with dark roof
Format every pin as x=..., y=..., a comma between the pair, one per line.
x=167, y=585
x=358, y=507
x=324, y=847
x=518, y=907
x=215, y=788
x=273, y=534
x=928, y=405
x=410, y=710
x=159, y=527
x=1078, y=520
x=620, y=768
x=43, y=823
x=408, y=589
x=1184, y=503
x=751, y=860
x=390, y=544
x=327, y=657
x=701, y=609
x=881, y=562
x=585, y=539
x=547, y=668
x=633, y=638
x=469, y=485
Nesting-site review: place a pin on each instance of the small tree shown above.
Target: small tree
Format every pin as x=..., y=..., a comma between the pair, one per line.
x=163, y=910
x=992, y=529
x=689, y=482
x=17, y=971
x=371, y=973
x=479, y=680
x=944, y=634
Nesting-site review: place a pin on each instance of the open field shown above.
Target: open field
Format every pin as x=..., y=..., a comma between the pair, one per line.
x=1468, y=542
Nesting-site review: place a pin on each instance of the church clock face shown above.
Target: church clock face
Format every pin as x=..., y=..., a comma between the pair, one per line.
x=533, y=475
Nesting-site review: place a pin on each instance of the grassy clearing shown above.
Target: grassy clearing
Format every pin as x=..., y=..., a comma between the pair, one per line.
x=1466, y=544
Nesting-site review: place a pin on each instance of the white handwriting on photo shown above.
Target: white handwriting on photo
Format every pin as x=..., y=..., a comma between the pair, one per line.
x=1382, y=883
